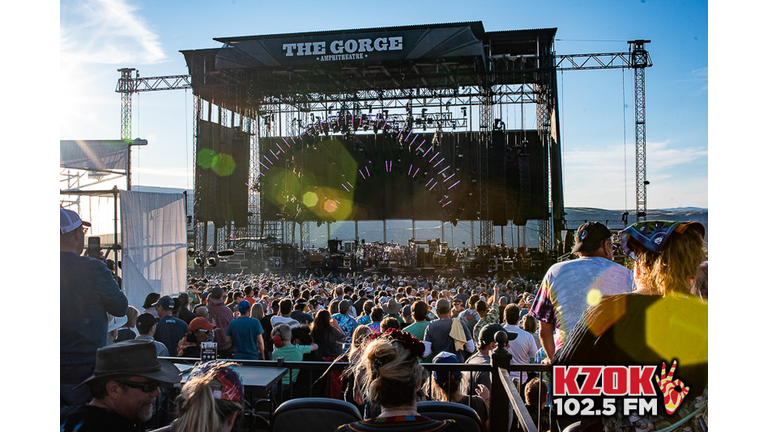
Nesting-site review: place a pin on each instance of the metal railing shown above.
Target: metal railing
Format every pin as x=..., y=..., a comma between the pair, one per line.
x=505, y=392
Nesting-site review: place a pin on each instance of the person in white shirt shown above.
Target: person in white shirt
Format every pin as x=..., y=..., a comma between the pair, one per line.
x=523, y=348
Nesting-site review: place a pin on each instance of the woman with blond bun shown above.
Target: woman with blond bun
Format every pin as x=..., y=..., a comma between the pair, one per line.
x=211, y=400
x=660, y=324
x=389, y=374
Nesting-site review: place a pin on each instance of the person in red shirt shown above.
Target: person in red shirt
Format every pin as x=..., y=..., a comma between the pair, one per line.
x=248, y=291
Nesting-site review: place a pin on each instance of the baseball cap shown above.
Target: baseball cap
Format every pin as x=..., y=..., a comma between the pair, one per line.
x=244, y=306
x=590, y=236
x=166, y=302
x=653, y=235
x=201, y=323
x=231, y=382
x=70, y=221
x=488, y=333
x=407, y=310
x=441, y=376
x=145, y=321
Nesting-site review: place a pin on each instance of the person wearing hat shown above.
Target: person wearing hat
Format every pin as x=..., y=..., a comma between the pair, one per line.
x=212, y=399
x=89, y=293
x=392, y=309
x=124, y=385
x=146, y=325
x=458, y=306
x=200, y=330
x=245, y=334
x=486, y=344
x=569, y=287
x=661, y=323
x=170, y=329
x=448, y=386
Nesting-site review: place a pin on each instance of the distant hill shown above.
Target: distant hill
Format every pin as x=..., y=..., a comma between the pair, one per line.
x=577, y=215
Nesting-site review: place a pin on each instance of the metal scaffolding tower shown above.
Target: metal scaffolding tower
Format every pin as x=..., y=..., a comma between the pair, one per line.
x=637, y=59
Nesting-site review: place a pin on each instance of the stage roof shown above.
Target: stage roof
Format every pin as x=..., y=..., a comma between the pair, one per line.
x=248, y=70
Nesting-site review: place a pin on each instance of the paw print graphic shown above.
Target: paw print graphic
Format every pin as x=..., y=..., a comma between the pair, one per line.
x=672, y=396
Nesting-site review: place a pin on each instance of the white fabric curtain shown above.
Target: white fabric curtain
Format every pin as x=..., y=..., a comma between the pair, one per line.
x=154, y=240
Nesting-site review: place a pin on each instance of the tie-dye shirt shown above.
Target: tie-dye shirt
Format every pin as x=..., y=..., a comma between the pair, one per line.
x=570, y=287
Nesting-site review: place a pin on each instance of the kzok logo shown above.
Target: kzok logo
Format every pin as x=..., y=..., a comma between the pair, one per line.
x=616, y=381
x=592, y=390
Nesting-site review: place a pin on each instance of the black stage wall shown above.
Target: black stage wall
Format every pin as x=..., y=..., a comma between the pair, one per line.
x=401, y=175
x=221, y=173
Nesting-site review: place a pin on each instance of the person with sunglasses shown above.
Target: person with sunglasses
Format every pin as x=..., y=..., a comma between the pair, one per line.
x=200, y=330
x=125, y=385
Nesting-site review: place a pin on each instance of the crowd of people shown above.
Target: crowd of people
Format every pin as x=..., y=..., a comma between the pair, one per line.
x=386, y=327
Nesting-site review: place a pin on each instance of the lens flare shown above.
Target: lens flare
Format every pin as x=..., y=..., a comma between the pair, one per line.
x=205, y=157
x=330, y=206
x=688, y=316
x=593, y=297
x=310, y=199
x=223, y=164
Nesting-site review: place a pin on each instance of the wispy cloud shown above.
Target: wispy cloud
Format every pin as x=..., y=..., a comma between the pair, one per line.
x=660, y=156
x=97, y=37
x=106, y=32
x=701, y=77
x=606, y=177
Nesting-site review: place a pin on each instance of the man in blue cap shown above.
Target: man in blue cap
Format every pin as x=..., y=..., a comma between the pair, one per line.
x=245, y=334
x=88, y=293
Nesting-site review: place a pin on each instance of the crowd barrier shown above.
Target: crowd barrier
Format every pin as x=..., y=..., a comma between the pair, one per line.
x=316, y=379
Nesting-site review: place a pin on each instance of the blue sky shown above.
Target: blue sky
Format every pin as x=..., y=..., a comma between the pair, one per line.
x=97, y=37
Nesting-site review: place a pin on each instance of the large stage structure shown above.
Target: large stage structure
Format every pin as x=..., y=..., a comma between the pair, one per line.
x=376, y=102
x=374, y=124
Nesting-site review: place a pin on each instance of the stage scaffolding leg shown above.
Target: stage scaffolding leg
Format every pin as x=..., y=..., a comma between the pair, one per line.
x=486, y=125
x=442, y=231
